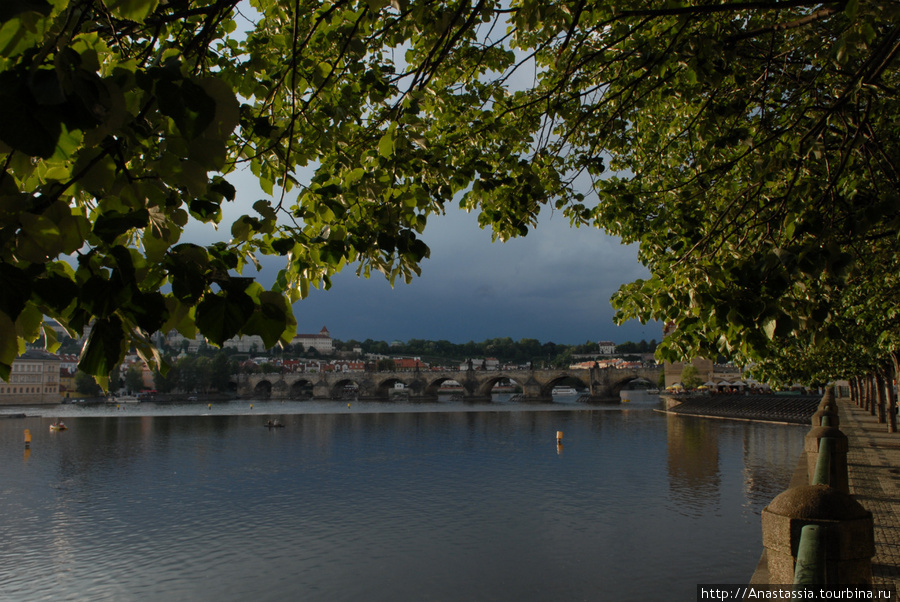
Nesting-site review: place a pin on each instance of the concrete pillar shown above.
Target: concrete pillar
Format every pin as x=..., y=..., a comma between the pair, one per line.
x=849, y=540
x=838, y=474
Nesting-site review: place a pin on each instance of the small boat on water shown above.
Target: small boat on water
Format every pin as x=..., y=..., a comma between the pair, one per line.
x=58, y=426
x=273, y=424
x=564, y=391
x=123, y=399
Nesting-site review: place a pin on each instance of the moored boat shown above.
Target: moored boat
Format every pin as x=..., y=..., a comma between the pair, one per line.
x=564, y=391
x=123, y=399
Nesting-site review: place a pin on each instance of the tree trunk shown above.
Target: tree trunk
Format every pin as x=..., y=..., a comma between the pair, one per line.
x=870, y=394
x=879, y=391
x=854, y=395
x=863, y=393
x=892, y=397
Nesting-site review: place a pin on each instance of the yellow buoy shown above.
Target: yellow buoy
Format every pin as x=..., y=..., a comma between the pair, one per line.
x=559, y=435
x=209, y=406
x=27, y=438
x=251, y=406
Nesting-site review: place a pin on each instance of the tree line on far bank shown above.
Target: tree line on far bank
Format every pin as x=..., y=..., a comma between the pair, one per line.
x=505, y=349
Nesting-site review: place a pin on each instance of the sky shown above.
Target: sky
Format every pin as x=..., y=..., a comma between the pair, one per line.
x=553, y=285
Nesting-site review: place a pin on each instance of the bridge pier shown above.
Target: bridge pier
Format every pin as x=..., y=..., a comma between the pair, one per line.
x=321, y=390
x=533, y=391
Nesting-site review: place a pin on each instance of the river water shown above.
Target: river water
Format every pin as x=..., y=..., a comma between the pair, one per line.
x=382, y=501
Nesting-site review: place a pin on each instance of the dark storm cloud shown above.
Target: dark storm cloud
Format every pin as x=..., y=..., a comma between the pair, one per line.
x=552, y=285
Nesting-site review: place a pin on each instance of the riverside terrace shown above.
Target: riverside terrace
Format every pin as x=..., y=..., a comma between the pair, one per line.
x=794, y=409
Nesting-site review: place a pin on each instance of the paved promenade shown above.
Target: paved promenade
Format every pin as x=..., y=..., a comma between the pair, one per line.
x=874, y=472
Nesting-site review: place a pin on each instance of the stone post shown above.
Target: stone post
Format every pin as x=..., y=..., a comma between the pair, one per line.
x=849, y=540
x=838, y=473
x=827, y=407
x=822, y=413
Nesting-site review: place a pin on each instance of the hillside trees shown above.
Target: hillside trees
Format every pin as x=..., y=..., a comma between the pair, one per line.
x=749, y=148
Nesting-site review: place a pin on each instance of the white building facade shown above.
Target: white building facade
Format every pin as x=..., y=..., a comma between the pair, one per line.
x=322, y=342
x=34, y=379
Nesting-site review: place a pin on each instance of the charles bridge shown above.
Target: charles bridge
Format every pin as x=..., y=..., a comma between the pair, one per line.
x=602, y=384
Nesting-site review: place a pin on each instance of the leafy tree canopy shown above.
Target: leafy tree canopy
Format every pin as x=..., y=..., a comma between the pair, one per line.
x=750, y=148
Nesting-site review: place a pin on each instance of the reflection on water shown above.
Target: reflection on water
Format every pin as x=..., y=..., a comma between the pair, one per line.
x=350, y=505
x=693, y=462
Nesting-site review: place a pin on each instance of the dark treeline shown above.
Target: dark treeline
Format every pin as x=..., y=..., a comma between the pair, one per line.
x=505, y=349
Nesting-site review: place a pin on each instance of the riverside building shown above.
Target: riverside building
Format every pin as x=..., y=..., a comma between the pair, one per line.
x=34, y=378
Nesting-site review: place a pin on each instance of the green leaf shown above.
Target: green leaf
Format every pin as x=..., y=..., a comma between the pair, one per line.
x=187, y=265
x=133, y=10
x=189, y=106
x=35, y=129
x=220, y=317
x=769, y=324
x=148, y=310
x=270, y=319
x=39, y=239
x=104, y=348
x=386, y=145
x=51, y=343
x=112, y=224
x=8, y=345
x=11, y=8
x=55, y=291
x=16, y=290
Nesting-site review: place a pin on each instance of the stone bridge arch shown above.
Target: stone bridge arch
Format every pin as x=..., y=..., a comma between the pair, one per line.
x=340, y=386
x=263, y=389
x=582, y=379
x=484, y=387
x=537, y=385
x=432, y=388
x=302, y=388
